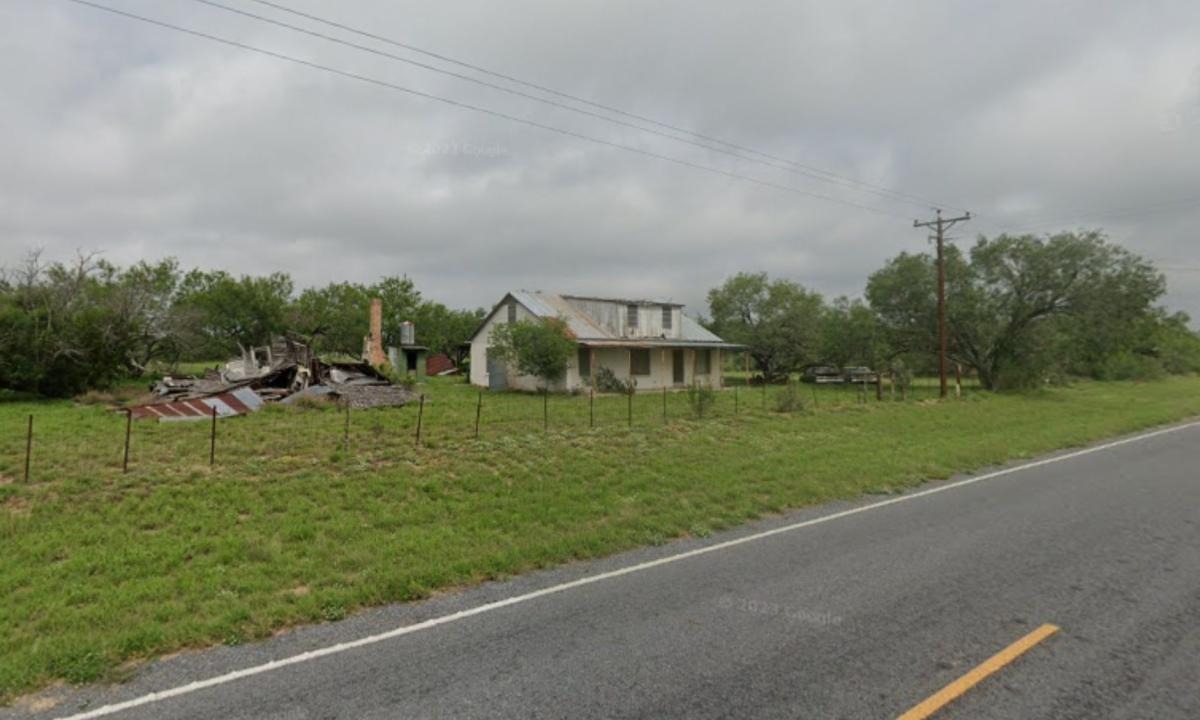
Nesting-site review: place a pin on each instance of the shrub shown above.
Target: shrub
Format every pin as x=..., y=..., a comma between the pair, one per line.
x=701, y=398
x=607, y=382
x=789, y=400
x=1127, y=365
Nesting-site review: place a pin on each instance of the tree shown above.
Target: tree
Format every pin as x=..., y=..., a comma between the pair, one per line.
x=851, y=335
x=234, y=314
x=332, y=319
x=67, y=328
x=779, y=321
x=1022, y=306
x=401, y=301
x=444, y=330
x=541, y=348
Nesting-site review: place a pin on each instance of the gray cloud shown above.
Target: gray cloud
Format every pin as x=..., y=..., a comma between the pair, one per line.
x=144, y=143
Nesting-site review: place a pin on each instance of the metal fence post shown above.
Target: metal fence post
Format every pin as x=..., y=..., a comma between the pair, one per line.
x=128, y=432
x=28, y=446
x=346, y=431
x=592, y=408
x=630, y=408
x=735, y=401
x=664, y=406
x=420, y=417
x=212, y=446
x=545, y=409
x=478, y=412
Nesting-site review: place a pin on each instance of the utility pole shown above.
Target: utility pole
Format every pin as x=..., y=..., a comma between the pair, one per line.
x=940, y=226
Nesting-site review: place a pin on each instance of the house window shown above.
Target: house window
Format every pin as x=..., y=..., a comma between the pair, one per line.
x=703, y=361
x=631, y=317
x=666, y=317
x=639, y=362
x=512, y=311
x=585, y=362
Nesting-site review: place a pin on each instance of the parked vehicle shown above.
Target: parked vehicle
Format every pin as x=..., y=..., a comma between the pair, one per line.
x=860, y=375
x=823, y=375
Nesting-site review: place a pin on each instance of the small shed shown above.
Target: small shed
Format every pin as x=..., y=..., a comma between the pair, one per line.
x=409, y=359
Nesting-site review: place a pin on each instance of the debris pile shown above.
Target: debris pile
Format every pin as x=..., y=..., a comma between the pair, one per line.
x=280, y=372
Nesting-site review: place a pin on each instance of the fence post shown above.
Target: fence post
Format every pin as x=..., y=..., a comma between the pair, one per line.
x=545, y=409
x=478, y=412
x=878, y=387
x=735, y=402
x=630, y=408
x=592, y=408
x=664, y=406
x=212, y=443
x=346, y=432
x=420, y=417
x=128, y=432
x=28, y=446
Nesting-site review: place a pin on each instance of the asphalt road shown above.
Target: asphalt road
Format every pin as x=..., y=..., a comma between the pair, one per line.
x=860, y=616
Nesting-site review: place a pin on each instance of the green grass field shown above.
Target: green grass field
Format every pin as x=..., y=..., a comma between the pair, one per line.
x=290, y=525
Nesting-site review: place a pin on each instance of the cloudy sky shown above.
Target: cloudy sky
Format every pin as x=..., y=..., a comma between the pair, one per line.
x=142, y=142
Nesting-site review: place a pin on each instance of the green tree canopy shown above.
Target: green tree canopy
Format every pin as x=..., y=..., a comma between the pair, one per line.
x=851, y=334
x=540, y=348
x=1021, y=306
x=235, y=313
x=778, y=320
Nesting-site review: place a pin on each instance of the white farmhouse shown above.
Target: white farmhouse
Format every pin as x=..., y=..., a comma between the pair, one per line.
x=650, y=342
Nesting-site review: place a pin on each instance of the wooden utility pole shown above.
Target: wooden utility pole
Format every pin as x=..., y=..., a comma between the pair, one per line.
x=940, y=226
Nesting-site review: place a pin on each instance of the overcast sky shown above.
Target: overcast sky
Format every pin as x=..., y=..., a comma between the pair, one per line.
x=142, y=142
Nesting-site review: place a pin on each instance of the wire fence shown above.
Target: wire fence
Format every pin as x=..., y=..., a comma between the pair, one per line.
x=90, y=445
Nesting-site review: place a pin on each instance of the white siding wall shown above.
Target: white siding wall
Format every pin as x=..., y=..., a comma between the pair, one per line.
x=661, y=368
x=479, y=370
x=614, y=316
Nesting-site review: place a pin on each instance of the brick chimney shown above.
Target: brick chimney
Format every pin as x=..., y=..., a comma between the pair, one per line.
x=375, y=353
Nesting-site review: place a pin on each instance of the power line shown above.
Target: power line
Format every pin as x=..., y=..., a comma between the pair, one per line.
x=763, y=158
x=535, y=98
x=478, y=108
x=1117, y=214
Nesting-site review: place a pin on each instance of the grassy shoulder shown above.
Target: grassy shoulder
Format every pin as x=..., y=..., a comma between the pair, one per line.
x=101, y=568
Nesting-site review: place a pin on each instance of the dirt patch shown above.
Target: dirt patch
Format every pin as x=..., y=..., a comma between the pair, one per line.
x=17, y=506
x=42, y=701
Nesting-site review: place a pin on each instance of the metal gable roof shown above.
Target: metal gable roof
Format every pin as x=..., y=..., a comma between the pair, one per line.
x=587, y=330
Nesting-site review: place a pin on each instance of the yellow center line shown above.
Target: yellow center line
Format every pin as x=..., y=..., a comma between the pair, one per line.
x=956, y=689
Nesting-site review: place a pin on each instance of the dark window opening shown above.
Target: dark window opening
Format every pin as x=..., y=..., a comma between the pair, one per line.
x=631, y=316
x=585, y=362
x=666, y=318
x=639, y=362
x=703, y=361
x=512, y=312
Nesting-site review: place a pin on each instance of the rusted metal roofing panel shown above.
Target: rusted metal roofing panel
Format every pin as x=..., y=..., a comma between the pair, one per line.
x=234, y=402
x=545, y=305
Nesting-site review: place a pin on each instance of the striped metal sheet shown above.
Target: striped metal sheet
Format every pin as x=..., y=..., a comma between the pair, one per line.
x=233, y=402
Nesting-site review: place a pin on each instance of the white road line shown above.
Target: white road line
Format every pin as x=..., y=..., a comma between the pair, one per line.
x=445, y=619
